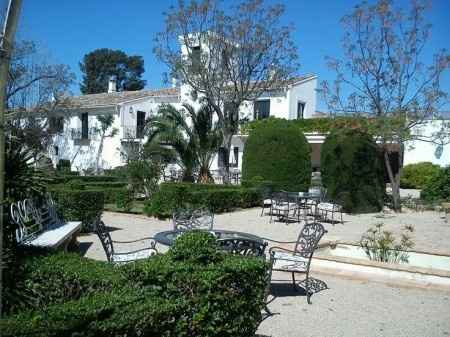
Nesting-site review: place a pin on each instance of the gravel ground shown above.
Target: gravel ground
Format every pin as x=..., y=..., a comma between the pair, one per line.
x=349, y=307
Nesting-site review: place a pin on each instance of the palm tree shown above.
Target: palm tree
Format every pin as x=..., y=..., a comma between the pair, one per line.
x=189, y=134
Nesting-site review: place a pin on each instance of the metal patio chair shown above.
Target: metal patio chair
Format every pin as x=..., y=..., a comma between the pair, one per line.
x=243, y=246
x=184, y=219
x=123, y=257
x=298, y=260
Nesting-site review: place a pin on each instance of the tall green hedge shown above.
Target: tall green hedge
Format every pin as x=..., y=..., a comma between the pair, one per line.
x=438, y=187
x=193, y=290
x=418, y=175
x=218, y=198
x=278, y=152
x=80, y=205
x=352, y=171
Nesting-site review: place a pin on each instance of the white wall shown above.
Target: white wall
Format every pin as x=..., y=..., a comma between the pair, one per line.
x=304, y=92
x=420, y=151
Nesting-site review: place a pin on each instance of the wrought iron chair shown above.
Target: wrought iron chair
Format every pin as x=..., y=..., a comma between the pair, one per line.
x=123, y=257
x=193, y=219
x=298, y=260
x=285, y=206
x=267, y=200
x=243, y=246
x=328, y=206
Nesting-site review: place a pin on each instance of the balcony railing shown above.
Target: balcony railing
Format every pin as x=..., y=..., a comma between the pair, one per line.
x=77, y=133
x=132, y=132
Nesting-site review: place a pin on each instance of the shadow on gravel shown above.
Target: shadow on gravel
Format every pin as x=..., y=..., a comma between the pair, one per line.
x=83, y=247
x=284, y=288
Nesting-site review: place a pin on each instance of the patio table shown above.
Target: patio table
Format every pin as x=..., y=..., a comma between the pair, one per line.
x=168, y=237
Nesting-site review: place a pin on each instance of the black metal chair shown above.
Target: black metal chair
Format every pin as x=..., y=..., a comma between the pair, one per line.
x=243, y=246
x=298, y=260
x=123, y=257
x=184, y=219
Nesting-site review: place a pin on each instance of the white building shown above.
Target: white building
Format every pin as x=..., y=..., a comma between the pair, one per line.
x=79, y=142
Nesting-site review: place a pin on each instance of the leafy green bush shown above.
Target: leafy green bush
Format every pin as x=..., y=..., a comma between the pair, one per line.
x=80, y=205
x=125, y=312
x=57, y=278
x=352, y=171
x=65, y=178
x=279, y=152
x=63, y=166
x=193, y=290
x=218, y=198
x=418, y=175
x=124, y=200
x=438, y=187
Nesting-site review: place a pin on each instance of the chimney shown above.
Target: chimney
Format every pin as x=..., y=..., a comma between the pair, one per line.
x=112, y=85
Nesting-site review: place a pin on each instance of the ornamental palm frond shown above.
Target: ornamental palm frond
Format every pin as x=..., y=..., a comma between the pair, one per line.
x=187, y=135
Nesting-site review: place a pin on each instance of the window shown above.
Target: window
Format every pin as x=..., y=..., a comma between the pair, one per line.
x=261, y=109
x=84, y=126
x=140, y=124
x=56, y=124
x=221, y=159
x=300, y=110
x=196, y=58
x=56, y=150
x=235, y=159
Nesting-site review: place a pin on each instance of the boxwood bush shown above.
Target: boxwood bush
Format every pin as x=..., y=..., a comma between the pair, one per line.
x=82, y=205
x=218, y=198
x=418, y=175
x=193, y=290
x=438, y=187
x=352, y=171
x=278, y=151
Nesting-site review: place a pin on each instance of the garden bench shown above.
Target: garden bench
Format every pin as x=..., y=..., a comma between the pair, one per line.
x=38, y=225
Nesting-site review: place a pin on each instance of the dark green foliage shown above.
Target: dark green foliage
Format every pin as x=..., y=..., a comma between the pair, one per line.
x=64, y=179
x=63, y=166
x=195, y=247
x=61, y=277
x=193, y=290
x=125, y=312
x=80, y=205
x=278, y=152
x=418, y=175
x=124, y=200
x=218, y=198
x=99, y=65
x=438, y=187
x=352, y=171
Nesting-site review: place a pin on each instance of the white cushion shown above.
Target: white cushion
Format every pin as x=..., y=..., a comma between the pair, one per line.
x=267, y=201
x=289, y=262
x=55, y=236
x=128, y=257
x=326, y=206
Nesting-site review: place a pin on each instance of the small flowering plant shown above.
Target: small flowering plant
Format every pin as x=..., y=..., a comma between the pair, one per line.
x=381, y=245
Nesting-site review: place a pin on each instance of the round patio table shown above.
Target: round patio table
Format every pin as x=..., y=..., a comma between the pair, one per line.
x=168, y=237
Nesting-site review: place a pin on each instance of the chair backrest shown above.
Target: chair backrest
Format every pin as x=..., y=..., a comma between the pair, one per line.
x=308, y=239
x=197, y=219
x=243, y=246
x=105, y=238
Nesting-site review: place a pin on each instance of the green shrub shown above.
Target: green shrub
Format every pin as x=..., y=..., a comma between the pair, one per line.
x=218, y=198
x=65, y=178
x=438, y=187
x=125, y=312
x=193, y=290
x=80, y=205
x=277, y=151
x=63, y=166
x=57, y=278
x=124, y=200
x=352, y=171
x=418, y=175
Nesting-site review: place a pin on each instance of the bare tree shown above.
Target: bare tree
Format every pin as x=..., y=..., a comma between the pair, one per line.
x=384, y=75
x=230, y=55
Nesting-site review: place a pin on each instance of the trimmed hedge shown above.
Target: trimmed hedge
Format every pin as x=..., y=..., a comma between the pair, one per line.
x=438, y=187
x=218, y=198
x=82, y=205
x=193, y=290
x=278, y=151
x=64, y=179
x=418, y=175
x=352, y=171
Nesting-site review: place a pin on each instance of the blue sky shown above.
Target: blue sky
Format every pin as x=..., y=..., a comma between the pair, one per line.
x=67, y=30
